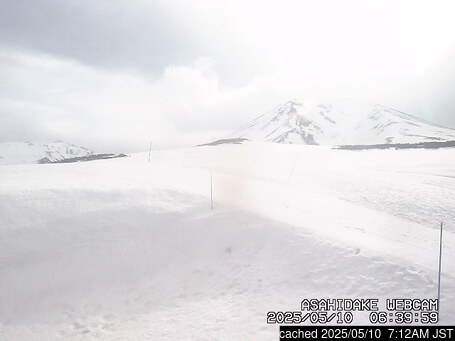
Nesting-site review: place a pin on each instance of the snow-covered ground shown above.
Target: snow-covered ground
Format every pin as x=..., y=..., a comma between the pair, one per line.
x=124, y=249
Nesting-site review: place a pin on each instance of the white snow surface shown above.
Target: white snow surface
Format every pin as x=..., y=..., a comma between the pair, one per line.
x=12, y=153
x=124, y=249
x=344, y=122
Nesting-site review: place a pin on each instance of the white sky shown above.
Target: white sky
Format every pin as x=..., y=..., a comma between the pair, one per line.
x=112, y=75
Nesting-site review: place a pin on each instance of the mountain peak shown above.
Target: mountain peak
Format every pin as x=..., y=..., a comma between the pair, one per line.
x=33, y=152
x=341, y=122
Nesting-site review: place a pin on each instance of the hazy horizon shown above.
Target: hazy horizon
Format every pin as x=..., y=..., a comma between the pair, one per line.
x=112, y=76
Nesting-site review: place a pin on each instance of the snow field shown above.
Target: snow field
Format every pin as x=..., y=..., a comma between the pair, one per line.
x=123, y=249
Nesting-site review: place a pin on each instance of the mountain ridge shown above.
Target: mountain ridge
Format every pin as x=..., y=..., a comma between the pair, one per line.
x=341, y=123
x=35, y=152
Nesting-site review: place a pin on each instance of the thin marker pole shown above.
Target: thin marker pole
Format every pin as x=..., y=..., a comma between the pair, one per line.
x=439, y=274
x=211, y=191
x=150, y=150
x=292, y=170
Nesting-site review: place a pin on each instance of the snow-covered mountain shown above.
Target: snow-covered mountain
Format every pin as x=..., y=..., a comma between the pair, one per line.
x=27, y=152
x=341, y=123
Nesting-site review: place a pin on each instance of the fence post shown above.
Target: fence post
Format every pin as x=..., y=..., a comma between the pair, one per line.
x=211, y=191
x=292, y=169
x=439, y=272
x=150, y=150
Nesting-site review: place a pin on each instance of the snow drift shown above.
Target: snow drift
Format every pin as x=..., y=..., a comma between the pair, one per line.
x=127, y=249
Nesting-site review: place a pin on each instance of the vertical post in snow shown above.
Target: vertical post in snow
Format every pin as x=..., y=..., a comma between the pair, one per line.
x=150, y=150
x=292, y=170
x=211, y=191
x=439, y=273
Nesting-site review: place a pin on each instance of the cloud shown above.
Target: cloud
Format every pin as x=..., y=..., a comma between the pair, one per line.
x=112, y=75
x=58, y=99
x=98, y=33
x=135, y=35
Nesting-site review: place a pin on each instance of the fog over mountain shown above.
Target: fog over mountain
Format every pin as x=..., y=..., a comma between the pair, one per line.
x=342, y=122
x=195, y=170
x=181, y=73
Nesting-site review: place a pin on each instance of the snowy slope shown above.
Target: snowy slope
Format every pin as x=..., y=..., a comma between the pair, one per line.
x=12, y=153
x=341, y=123
x=130, y=250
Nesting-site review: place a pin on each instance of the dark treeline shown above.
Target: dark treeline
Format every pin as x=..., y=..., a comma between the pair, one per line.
x=425, y=145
